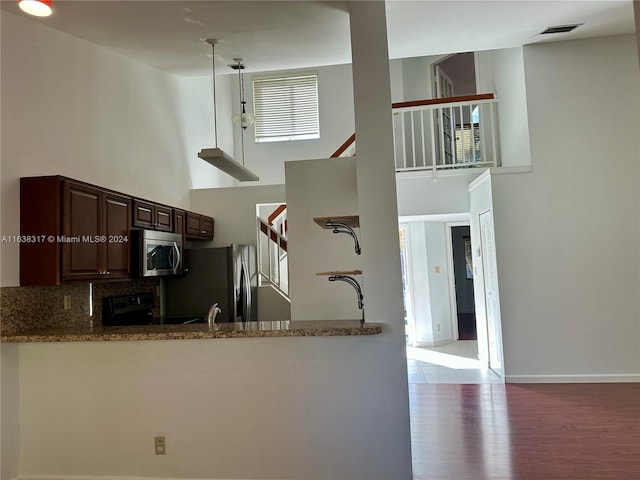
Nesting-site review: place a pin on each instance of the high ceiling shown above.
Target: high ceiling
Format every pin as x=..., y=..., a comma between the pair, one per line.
x=277, y=35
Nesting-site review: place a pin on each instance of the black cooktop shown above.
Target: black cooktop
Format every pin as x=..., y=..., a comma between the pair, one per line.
x=137, y=309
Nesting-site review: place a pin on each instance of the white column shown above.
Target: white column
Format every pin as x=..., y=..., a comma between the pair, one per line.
x=636, y=14
x=377, y=203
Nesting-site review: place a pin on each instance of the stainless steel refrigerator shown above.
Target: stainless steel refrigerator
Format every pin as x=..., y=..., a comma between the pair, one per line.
x=224, y=275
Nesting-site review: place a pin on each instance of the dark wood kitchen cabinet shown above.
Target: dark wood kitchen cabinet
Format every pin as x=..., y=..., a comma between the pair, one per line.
x=178, y=222
x=101, y=220
x=152, y=216
x=72, y=231
x=198, y=227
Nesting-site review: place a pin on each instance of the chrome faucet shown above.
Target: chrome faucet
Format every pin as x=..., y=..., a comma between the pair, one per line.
x=354, y=283
x=212, y=314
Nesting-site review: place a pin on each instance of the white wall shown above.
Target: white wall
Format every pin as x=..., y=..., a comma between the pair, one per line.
x=335, y=96
x=502, y=72
x=417, y=77
x=272, y=307
x=421, y=195
x=9, y=412
x=74, y=109
x=567, y=234
x=438, y=271
x=295, y=408
x=419, y=283
x=234, y=211
x=429, y=270
x=321, y=188
x=513, y=126
x=198, y=127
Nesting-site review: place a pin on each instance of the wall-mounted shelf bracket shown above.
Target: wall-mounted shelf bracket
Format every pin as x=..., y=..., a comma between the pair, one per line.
x=354, y=283
x=342, y=227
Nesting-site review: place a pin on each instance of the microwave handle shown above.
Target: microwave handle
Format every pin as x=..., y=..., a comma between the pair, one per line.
x=177, y=258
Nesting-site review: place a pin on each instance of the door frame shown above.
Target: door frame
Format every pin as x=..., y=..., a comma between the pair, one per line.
x=453, y=305
x=411, y=321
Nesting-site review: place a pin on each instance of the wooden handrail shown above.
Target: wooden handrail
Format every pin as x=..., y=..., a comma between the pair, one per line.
x=437, y=101
x=344, y=146
x=276, y=213
x=419, y=103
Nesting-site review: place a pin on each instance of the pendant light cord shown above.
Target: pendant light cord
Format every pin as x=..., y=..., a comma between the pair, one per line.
x=213, y=68
x=241, y=87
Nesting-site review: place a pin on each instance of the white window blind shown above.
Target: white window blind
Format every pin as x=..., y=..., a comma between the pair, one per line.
x=286, y=108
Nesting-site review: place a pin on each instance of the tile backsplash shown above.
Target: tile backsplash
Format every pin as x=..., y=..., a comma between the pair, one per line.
x=25, y=308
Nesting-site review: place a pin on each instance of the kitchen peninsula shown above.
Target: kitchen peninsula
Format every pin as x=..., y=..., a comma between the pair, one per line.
x=323, y=328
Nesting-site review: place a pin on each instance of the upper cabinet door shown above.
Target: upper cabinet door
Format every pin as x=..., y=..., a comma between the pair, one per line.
x=81, y=227
x=206, y=227
x=198, y=227
x=143, y=214
x=152, y=216
x=117, y=259
x=164, y=218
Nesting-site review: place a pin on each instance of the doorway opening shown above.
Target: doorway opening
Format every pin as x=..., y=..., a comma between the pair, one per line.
x=441, y=325
x=463, y=303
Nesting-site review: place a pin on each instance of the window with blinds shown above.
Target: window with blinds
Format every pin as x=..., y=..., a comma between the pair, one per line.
x=286, y=108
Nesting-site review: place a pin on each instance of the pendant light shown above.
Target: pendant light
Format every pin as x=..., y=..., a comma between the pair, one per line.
x=215, y=156
x=243, y=119
x=37, y=8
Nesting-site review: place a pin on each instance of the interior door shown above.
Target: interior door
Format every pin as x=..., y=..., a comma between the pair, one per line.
x=444, y=119
x=492, y=299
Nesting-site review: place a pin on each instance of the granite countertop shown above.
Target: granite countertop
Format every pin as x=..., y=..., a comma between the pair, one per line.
x=320, y=328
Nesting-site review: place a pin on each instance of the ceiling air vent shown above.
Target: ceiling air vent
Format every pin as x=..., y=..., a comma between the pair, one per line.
x=561, y=28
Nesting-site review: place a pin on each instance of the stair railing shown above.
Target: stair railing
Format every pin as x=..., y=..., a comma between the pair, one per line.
x=273, y=261
x=441, y=134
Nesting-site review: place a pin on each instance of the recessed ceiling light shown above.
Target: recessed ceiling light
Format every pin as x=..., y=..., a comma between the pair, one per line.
x=561, y=28
x=38, y=8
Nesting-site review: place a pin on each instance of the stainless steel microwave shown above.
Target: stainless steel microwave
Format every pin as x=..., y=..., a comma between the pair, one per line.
x=160, y=253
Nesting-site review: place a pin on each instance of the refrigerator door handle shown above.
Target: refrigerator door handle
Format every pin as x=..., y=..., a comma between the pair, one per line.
x=246, y=293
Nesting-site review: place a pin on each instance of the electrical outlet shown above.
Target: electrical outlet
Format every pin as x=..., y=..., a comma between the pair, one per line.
x=160, y=445
x=67, y=302
x=438, y=327
x=437, y=269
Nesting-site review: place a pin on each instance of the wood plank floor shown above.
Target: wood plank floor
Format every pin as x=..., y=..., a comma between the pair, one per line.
x=525, y=432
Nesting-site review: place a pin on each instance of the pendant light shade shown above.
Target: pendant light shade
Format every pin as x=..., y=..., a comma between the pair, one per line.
x=37, y=8
x=243, y=119
x=215, y=156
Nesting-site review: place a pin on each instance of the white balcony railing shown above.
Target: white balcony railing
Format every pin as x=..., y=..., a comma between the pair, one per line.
x=442, y=134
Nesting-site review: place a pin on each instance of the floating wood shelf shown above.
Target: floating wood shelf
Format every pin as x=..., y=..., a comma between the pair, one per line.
x=351, y=272
x=352, y=220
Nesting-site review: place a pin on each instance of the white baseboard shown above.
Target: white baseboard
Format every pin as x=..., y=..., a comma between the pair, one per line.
x=602, y=378
x=432, y=344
